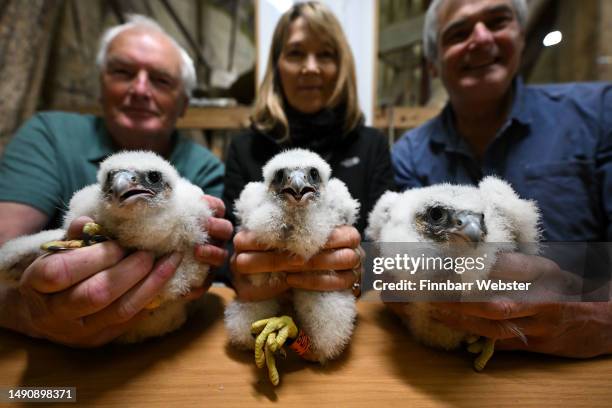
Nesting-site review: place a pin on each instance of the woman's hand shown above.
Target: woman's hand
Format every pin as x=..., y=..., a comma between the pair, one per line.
x=219, y=230
x=341, y=254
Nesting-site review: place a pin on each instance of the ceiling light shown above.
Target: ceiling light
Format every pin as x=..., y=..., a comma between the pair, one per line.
x=552, y=38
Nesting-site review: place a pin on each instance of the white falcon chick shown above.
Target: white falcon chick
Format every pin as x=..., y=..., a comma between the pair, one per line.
x=141, y=202
x=477, y=221
x=295, y=209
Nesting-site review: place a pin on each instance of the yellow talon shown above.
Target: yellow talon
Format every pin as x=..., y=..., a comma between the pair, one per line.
x=271, y=335
x=258, y=326
x=91, y=229
x=476, y=347
x=92, y=233
x=154, y=304
x=472, y=338
x=271, y=342
x=271, y=363
x=54, y=246
x=486, y=354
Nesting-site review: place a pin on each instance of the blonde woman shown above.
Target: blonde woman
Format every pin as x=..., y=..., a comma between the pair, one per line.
x=308, y=99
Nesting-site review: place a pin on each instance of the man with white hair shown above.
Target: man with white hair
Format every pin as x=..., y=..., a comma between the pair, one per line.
x=145, y=81
x=552, y=143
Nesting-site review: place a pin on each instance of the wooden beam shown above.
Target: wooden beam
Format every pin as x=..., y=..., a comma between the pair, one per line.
x=604, y=56
x=403, y=117
x=237, y=117
x=183, y=29
x=216, y=118
x=400, y=35
x=205, y=118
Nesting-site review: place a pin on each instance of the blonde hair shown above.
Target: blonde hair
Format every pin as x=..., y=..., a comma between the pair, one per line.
x=269, y=115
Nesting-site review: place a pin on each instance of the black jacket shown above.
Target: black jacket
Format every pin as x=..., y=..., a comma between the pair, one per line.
x=360, y=159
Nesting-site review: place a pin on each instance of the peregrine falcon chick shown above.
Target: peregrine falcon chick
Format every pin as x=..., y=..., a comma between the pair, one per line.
x=295, y=209
x=141, y=202
x=455, y=221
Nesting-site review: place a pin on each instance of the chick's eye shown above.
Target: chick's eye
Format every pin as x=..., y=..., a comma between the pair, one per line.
x=436, y=214
x=314, y=175
x=278, y=177
x=153, y=177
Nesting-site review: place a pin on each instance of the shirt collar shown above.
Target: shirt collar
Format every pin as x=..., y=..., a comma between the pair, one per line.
x=444, y=132
x=521, y=105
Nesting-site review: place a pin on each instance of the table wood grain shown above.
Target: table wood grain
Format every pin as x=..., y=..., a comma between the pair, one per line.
x=383, y=367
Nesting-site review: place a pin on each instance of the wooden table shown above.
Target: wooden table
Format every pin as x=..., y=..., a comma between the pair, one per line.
x=383, y=367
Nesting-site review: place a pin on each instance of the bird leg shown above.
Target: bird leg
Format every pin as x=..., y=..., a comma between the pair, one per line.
x=154, y=304
x=54, y=246
x=482, y=346
x=475, y=344
x=92, y=234
x=272, y=334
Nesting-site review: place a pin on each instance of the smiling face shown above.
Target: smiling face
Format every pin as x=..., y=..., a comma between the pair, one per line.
x=479, y=48
x=142, y=91
x=308, y=68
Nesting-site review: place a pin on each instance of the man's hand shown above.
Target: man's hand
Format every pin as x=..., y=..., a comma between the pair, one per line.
x=219, y=230
x=566, y=329
x=89, y=296
x=341, y=254
x=572, y=329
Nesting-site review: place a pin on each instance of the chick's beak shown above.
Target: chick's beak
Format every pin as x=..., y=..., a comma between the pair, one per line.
x=126, y=184
x=469, y=226
x=123, y=181
x=298, y=186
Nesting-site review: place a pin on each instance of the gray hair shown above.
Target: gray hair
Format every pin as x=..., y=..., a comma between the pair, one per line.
x=188, y=73
x=430, y=27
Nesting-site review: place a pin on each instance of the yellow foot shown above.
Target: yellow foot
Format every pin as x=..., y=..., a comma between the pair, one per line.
x=485, y=355
x=154, y=304
x=92, y=234
x=54, y=246
x=476, y=347
x=271, y=335
x=472, y=338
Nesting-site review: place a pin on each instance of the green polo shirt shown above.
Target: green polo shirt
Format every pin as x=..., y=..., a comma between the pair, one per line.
x=55, y=154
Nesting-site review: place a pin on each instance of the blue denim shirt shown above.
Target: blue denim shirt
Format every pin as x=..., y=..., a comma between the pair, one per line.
x=555, y=148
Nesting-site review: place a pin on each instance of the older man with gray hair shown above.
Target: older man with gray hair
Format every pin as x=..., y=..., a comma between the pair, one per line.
x=145, y=82
x=552, y=143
